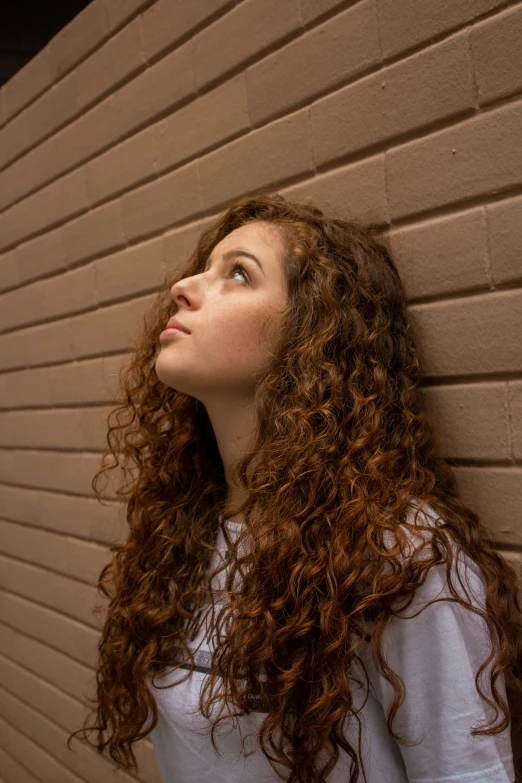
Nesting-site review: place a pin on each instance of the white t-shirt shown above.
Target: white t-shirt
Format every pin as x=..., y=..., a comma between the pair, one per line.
x=436, y=654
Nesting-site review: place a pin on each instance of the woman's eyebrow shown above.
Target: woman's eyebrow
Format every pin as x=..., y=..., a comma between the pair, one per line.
x=238, y=252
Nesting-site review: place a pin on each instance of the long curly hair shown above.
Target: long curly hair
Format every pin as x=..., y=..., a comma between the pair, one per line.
x=341, y=447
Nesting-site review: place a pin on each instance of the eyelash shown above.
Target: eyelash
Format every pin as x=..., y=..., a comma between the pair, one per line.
x=239, y=266
x=236, y=266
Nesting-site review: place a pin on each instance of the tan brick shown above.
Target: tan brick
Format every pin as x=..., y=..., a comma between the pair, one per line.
x=497, y=55
x=209, y=218
x=85, y=32
x=37, y=731
x=41, y=255
x=179, y=244
x=93, y=428
x=264, y=157
x=31, y=755
x=160, y=87
x=9, y=273
x=442, y=256
x=52, y=110
x=495, y=494
x=20, y=613
x=111, y=369
x=29, y=172
x=64, y=429
x=36, y=582
x=47, y=663
x=471, y=419
x=83, y=138
x=168, y=21
x=68, y=293
x=68, y=514
x=53, y=344
x=515, y=402
x=159, y=204
x=412, y=22
x=478, y=334
x=117, y=60
x=312, y=9
x=98, y=231
x=62, y=151
x=134, y=270
x=79, y=382
x=41, y=429
x=62, y=199
x=25, y=388
x=50, y=470
x=479, y=156
x=431, y=85
x=504, y=220
x=12, y=769
x=357, y=190
x=18, y=306
x=13, y=139
x=317, y=61
x=246, y=31
x=514, y=559
x=119, y=12
x=3, y=389
x=206, y=122
x=27, y=84
x=122, y=167
x=109, y=329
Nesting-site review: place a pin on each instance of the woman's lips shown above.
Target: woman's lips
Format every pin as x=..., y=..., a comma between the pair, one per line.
x=171, y=332
x=173, y=323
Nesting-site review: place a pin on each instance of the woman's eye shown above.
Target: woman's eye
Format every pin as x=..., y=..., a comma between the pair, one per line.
x=236, y=268
x=239, y=267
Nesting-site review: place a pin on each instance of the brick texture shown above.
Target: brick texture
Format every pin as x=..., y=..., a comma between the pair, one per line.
x=254, y=26
x=317, y=61
x=119, y=142
x=497, y=55
x=480, y=155
x=427, y=252
x=413, y=23
x=426, y=88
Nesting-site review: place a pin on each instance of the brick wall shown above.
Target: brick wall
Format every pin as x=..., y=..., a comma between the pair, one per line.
x=132, y=127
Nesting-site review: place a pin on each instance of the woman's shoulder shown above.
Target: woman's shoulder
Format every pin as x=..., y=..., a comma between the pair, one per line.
x=417, y=532
x=416, y=539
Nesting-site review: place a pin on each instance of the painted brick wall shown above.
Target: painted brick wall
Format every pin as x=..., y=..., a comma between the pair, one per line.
x=136, y=124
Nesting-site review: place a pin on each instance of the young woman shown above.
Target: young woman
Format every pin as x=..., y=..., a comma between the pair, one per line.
x=303, y=595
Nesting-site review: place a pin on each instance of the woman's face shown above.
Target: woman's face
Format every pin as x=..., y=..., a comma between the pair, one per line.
x=234, y=314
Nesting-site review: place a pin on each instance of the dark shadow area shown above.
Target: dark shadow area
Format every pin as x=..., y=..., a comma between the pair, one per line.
x=27, y=26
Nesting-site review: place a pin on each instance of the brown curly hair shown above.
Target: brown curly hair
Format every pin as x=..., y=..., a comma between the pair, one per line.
x=342, y=445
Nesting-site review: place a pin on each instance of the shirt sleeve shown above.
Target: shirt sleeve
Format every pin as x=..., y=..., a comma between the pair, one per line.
x=437, y=655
